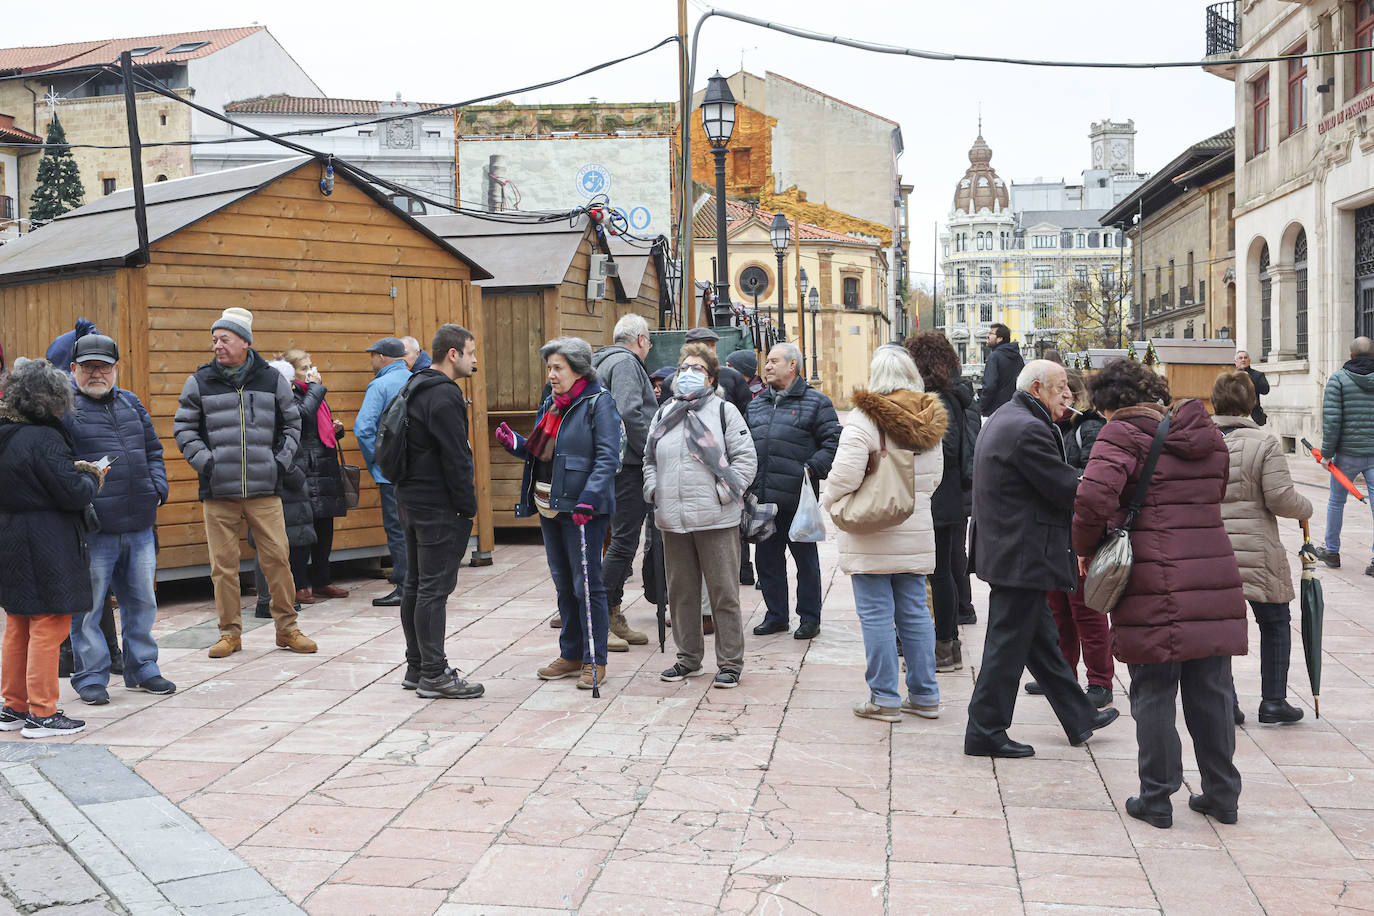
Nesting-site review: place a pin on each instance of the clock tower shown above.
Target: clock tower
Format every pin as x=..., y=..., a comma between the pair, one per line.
x=1113, y=146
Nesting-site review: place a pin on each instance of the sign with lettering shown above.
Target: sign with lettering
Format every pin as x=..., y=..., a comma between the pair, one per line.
x=1363, y=103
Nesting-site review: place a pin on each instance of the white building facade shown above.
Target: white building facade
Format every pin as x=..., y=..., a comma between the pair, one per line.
x=1304, y=193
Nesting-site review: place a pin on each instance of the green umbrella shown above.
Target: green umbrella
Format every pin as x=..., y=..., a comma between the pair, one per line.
x=1312, y=611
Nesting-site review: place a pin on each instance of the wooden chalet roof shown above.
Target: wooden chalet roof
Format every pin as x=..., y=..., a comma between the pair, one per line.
x=516, y=253
x=103, y=235
x=107, y=50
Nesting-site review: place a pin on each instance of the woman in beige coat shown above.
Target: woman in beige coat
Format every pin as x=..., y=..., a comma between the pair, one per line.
x=1258, y=490
x=888, y=568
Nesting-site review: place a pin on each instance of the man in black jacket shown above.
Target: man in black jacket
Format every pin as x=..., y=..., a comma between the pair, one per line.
x=437, y=501
x=1003, y=364
x=1261, y=383
x=1023, y=493
x=795, y=429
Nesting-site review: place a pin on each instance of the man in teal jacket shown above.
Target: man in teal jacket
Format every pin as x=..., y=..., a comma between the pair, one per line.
x=388, y=361
x=1348, y=437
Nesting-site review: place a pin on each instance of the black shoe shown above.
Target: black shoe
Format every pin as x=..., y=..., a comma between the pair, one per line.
x=726, y=679
x=1034, y=689
x=1136, y=810
x=94, y=695
x=678, y=672
x=967, y=617
x=156, y=684
x=263, y=611
x=55, y=724
x=391, y=600
x=448, y=686
x=1006, y=748
x=1104, y=718
x=1332, y=560
x=1369, y=570
x=769, y=627
x=1278, y=712
x=1238, y=715
x=411, y=679
x=1098, y=696
x=1203, y=805
x=116, y=661
x=746, y=574
x=807, y=631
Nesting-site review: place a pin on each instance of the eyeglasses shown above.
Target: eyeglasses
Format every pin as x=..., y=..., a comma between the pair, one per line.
x=690, y=368
x=97, y=368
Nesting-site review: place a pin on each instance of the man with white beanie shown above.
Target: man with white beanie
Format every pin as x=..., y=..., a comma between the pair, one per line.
x=238, y=426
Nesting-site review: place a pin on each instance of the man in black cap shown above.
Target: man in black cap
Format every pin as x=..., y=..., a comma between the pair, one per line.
x=108, y=422
x=388, y=362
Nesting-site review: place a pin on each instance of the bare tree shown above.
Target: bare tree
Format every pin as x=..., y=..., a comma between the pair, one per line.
x=1091, y=314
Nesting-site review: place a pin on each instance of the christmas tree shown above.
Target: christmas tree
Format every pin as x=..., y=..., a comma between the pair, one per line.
x=1130, y=350
x=1150, y=356
x=59, y=180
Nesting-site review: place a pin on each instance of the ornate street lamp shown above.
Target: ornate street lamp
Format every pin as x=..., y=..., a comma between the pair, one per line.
x=814, y=306
x=780, y=232
x=718, y=121
x=805, y=284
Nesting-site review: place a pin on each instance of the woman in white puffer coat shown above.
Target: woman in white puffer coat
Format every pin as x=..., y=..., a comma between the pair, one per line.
x=888, y=568
x=698, y=462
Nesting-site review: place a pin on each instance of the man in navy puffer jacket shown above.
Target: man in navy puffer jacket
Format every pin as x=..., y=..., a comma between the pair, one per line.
x=107, y=422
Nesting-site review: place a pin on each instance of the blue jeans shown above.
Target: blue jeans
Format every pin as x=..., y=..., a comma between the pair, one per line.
x=1354, y=466
x=395, y=533
x=890, y=606
x=563, y=547
x=129, y=563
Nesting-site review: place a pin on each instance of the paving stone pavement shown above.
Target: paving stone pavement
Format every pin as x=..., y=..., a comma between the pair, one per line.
x=351, y=796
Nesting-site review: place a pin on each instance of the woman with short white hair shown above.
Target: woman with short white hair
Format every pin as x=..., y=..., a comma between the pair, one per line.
x=888, y=566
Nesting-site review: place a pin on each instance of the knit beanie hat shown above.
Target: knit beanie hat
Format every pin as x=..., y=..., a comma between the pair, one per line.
x=238, y=320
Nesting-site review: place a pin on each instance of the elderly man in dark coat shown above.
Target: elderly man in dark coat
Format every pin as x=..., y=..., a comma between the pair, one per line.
x=1023, y=492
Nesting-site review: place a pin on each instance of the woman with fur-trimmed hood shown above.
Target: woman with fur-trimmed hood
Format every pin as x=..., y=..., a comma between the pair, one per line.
x=888, y=567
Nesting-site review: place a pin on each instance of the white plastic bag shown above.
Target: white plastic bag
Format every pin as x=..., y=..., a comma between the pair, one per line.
x=807, y=524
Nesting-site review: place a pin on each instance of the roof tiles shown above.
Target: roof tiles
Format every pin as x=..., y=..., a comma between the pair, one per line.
x=107, y=51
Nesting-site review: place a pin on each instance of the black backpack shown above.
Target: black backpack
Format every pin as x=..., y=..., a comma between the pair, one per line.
x=392, y=428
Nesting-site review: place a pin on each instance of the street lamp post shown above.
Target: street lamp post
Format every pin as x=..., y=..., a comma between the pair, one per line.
x=814, y=306
x=674, y=275
x=718, y=121
x=780, y=232
x=804, y=283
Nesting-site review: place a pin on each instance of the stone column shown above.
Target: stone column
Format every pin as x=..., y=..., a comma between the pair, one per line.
x=1283, y=315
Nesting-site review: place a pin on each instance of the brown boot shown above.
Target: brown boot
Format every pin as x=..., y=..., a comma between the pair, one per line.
x=556, y=622
x=944, y=656
x=559, y=667
x=615, y=643
x=621, y=628
x=585, y=682
x=226, y=647
x=296, y=641
x=958, y=654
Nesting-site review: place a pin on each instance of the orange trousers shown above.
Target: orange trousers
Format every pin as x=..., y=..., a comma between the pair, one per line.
x=28, y=666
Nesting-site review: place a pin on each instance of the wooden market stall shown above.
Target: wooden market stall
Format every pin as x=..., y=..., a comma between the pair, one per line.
x=328, y=273
x=545, y=284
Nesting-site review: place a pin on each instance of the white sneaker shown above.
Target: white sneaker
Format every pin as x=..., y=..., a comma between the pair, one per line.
x=925, y=712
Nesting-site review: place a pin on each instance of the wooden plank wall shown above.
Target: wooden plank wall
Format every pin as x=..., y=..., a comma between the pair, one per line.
x=515, y=323
x=33, y=314
x=317, y=273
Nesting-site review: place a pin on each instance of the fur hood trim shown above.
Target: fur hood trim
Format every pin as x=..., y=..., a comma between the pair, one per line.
x=911, y=419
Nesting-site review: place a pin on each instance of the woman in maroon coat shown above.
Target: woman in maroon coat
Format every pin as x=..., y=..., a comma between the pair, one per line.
x=1183, y=614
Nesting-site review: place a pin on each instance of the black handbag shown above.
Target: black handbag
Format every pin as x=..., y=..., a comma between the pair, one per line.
x=350, y=478
x=1110, y=569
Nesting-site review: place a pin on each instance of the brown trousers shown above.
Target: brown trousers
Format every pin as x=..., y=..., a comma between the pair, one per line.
x=264, y=517
x=714, y=555
x=28, y=667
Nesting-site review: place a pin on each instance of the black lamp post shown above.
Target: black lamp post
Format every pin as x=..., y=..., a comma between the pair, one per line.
x=674, y=275
x=813, y=304
x=718, y=121
x=805, y=284
x=780, y=232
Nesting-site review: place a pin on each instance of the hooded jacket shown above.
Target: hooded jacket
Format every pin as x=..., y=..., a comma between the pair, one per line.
x=319, y=461
x=47, y=565
x=1259, y=488
x=439, y=469
x=952, y=502
x=622, y=374
x=682, y=490
x=239, y=431
x=908, y=420
x=1348, y=410
x=136, y=484
x=793, y=429
x=999, y=376
x=1183, y=600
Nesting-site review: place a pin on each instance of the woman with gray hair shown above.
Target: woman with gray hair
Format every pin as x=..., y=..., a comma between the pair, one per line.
x=571, y=458
x=888, y=566
x=46, y=576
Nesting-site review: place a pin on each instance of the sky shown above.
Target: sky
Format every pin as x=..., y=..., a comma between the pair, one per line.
x=1036, y=120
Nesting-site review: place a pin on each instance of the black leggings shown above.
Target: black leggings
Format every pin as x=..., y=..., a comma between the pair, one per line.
x=944, y=590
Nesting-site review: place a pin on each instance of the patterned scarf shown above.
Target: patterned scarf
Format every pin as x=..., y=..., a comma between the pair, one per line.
x=702, y=443
x=541, y=441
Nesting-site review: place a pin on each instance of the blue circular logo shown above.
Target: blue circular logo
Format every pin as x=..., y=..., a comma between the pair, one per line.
x=593, y=179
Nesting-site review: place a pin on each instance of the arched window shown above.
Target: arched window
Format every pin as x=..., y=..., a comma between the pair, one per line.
x=1300, y=298
x=1266, y=303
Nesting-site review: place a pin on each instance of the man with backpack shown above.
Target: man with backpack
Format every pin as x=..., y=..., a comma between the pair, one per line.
x=422, y=447
x=388, y=362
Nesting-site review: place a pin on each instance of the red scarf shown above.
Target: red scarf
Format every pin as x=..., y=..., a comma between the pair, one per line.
x=541, y=441
x=324, y=422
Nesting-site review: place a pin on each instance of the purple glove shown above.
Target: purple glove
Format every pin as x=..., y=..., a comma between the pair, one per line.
x=504, y=437
x=583, y=514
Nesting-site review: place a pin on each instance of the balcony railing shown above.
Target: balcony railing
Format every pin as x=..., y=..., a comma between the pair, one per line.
x=1223, y=28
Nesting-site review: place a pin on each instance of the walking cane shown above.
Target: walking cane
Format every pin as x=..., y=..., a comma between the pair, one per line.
x=587, y=596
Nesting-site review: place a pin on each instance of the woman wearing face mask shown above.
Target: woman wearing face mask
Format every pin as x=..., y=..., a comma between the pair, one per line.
x=698, y=463
x=570, y=467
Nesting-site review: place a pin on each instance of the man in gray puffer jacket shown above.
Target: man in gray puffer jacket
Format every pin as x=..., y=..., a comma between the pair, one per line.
x=238, y=426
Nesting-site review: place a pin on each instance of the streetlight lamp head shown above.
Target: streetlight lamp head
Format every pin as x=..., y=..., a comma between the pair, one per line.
x=718, y=111
x=780, y=232
x=805, y=283
x=813, y=300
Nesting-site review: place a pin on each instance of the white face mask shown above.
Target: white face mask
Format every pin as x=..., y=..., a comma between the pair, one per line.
x=690, y=382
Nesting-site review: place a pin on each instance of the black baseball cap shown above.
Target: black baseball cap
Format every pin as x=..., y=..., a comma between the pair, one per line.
x=96, y=347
